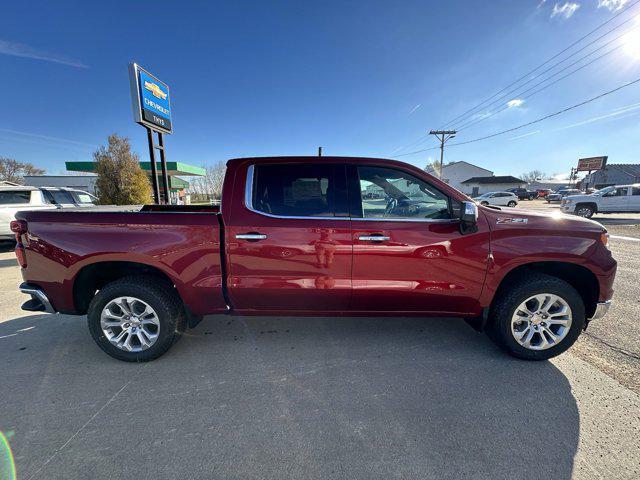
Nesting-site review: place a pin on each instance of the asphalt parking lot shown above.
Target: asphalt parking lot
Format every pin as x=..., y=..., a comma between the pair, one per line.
x=324, y=397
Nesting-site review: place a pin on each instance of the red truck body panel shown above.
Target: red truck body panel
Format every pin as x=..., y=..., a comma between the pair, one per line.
x=185, y=247
x=310, y=266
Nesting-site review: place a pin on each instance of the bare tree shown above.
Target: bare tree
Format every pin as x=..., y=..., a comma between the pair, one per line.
x=14, y=171
x=209, y=187
x=534, y=175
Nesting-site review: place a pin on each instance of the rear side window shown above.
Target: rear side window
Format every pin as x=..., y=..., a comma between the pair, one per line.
x=635, y=191
x=18, y=197
x=299, y=190
x=57, y=196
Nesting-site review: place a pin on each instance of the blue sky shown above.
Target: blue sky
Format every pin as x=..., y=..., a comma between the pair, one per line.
x=363, y=78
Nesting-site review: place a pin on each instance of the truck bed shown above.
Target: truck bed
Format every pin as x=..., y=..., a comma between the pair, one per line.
x=183, y=242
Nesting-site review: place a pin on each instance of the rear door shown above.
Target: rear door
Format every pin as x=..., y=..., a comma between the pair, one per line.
x=409, y=254
x=289, y=238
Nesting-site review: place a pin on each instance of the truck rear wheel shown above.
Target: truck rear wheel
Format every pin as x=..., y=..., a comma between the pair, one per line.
x=136, y=319
x=538, y=317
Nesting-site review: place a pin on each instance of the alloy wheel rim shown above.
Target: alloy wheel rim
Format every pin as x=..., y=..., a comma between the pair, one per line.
x=542, y=321
x=583, y=212
x=130, y=324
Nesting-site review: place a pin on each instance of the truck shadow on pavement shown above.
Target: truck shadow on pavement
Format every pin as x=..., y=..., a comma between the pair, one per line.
x=252, y=397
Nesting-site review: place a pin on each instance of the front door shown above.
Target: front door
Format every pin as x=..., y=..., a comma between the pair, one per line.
x=634, y=200
x=409, y=254
x=290, y=245
x=617, y=200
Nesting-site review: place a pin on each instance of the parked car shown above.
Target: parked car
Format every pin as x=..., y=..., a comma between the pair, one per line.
x=17, y=198
x=297, y=236
x=617, y=199
x=523, y=193
x=501, y=199
x=560, y=194
x=543, y=192
x=68, y=197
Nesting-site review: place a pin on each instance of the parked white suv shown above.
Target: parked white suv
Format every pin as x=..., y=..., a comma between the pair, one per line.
x=502, y=199
x=18, y=198
x=617, y=199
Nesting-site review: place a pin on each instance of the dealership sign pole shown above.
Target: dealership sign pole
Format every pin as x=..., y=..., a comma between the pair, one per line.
x=152, y=109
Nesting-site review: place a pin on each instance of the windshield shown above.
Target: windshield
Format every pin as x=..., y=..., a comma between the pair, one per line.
x=603, y=191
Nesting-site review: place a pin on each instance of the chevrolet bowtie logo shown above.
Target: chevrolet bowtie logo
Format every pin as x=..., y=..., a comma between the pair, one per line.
x=155, y=90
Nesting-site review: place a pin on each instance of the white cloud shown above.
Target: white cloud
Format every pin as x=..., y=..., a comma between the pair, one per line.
x=515, y=103
x=612, y=5
x=21, y=50
x=565, y=10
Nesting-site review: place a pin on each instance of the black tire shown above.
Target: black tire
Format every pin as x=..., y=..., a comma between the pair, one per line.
x=504, y=305
x=585, y=211
x=511, y=204
x=160, y=296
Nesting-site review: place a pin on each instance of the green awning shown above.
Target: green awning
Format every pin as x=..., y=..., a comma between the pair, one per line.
x=173, y=168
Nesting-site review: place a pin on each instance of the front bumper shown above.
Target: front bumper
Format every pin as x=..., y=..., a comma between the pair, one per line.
x=601, y=310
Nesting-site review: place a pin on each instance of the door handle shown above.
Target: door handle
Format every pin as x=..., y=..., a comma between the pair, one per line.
x=251, y=236
x=373, y=238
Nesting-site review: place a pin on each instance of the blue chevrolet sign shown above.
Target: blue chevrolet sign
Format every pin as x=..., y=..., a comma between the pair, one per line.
x=151, y=100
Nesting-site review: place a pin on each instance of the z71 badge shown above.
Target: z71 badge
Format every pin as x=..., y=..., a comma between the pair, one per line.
x=511, y=220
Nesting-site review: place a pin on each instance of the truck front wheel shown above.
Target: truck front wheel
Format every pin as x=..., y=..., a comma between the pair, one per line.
x=536, y=317
x=585, y=211
x=136, y=319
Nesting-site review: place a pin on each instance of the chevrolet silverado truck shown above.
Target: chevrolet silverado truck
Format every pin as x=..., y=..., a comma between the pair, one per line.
x=309, y=236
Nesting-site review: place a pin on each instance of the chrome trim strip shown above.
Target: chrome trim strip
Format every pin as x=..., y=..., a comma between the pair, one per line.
x=248, y=203
x=39, y=294
x=601, y=310
x=251, y=236
x=373, y=238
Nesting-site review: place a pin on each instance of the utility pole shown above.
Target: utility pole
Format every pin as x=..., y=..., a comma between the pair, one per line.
x=443, y=136
x=319, y=151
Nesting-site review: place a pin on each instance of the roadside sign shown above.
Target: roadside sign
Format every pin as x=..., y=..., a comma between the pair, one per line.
x=150, y=100
x=591, y=163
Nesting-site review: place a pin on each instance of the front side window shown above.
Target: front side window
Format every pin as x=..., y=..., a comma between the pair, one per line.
x=19, y=197
x=390, y=193
x=297, y=190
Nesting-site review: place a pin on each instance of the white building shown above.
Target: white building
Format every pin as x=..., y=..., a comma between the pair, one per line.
x=80, y=182
x=478, y=185
x=457, y=172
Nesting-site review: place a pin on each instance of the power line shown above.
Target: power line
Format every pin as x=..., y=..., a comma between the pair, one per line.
x=472, y=121
x=559, y=112
x=545, y=62
x=485, y=117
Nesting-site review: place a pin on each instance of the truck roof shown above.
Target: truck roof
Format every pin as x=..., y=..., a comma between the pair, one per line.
x=24, y=188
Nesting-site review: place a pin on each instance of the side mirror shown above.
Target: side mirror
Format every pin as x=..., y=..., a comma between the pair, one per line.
x=468, y=218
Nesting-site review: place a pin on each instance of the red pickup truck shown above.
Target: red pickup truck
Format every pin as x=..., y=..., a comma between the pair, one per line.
x=318, y=236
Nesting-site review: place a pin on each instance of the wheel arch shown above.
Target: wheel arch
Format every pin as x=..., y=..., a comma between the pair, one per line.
x=579, y=277
x=593, y=205
x=94, y=276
